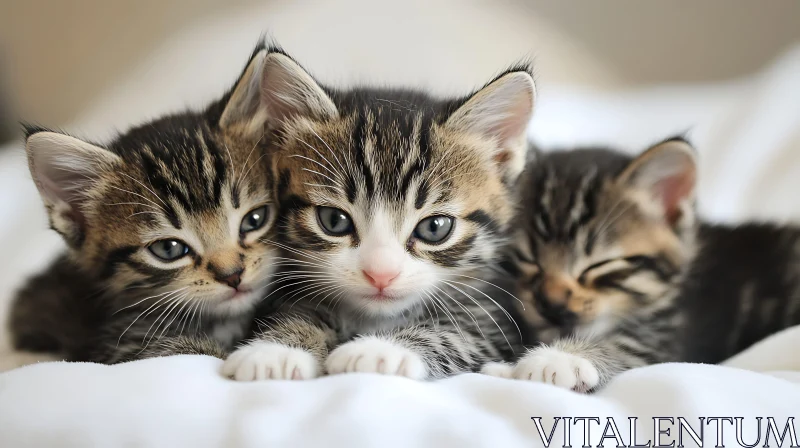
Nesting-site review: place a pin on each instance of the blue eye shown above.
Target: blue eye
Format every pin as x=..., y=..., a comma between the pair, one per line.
x=434, y=229
x=254, y=220
x=169, y=250
x=334, y=221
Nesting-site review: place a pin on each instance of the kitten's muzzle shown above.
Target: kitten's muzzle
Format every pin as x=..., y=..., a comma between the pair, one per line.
x=380, y=279
x=232, y=279
x=554, y=309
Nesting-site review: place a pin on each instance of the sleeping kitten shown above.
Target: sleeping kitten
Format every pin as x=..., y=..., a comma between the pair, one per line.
x=393, y=206
x=165, y=229
x=613, y=260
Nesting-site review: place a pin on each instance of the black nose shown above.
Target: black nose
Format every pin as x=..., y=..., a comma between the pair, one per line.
x=556, y=314
x=232, y=279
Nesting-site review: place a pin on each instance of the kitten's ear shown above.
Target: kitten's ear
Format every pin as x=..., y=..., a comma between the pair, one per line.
x=244, y=108
x=667, y=172
x=288, y=91
x=64, y=168
x=272, y=89
x=501, y=111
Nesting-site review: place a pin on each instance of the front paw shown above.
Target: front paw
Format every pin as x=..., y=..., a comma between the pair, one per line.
x=375, y=355
x=270, y=360
x=561, y=369
x=498, y=369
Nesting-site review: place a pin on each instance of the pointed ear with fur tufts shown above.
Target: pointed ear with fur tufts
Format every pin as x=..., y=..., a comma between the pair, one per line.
x=273, y=89
x=244, y=109
x=667, y=173
x=501, y=111
x=64, y=168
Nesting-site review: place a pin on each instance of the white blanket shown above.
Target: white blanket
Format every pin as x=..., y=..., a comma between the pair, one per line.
x=183, y=401
x=748, y=135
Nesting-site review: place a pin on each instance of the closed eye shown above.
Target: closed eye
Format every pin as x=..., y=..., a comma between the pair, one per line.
x=609, y=271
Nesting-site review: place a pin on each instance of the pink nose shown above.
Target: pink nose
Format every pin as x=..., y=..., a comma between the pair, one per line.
x=380, y=280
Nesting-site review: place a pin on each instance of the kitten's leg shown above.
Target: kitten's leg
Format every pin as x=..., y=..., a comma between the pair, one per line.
x=579, y=364
x=289, y=348
x=184, y=345
x=130, y=336
x=114, y=350
x=498, y=369
x=415, y=352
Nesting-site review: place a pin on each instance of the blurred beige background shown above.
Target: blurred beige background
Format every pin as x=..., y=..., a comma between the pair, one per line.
x=57, y=57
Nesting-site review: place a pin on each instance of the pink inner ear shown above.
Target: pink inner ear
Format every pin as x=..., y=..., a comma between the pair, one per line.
x=672, y=191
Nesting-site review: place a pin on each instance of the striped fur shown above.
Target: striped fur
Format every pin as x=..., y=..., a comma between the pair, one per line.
x=388, y=159
x=613, y=279
x=194, y=177
x=599, y=259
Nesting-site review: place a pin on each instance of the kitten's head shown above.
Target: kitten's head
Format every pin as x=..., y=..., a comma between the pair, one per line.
x=179, y=206
x=601, y=233
x=386, y=195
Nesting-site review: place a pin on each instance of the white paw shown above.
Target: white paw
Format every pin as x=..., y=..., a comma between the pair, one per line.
x=375, y=355
x=561, y=369
x=270, y=360
x=498, y=369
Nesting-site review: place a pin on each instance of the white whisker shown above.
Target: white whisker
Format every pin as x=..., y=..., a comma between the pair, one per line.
x=452, y=284
x=143, y=185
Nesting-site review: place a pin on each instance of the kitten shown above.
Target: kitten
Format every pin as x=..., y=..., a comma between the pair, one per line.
x=613, y=259
x=165, y=228
x=394, y=205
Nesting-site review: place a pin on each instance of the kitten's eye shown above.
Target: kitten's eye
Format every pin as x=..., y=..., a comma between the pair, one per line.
x=334, y=221
x=254, y=220
x=434, y=229
x=607, y=271
x=169, y=250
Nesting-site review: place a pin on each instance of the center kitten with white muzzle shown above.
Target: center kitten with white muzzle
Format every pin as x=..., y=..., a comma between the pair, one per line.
x=394, y=206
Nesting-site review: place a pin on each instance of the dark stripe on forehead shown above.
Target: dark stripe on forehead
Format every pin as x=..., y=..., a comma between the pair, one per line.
x=235, y=195
x=582, y=200
x=413, y=171
x=570, y=228
x=191, y=170
x=350, y=187
x=159, y=183
x=220, y=172
x=425, y=139
x=418, y=136
x=422, y=194
x=591, y=240
x=541, y=224
x=284, y=180
x=359, y=140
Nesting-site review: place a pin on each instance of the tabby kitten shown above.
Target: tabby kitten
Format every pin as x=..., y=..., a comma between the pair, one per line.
x=393, y=204
x=612, y=258
x=165, y=228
